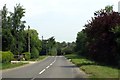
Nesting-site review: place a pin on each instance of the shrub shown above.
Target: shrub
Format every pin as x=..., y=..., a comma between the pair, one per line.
x=27, y=55
x=7, y=56
x=34, y=53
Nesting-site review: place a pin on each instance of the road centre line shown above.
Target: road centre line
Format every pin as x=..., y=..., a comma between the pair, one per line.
x=51, y=64
x=47, y=67
x=42, y=71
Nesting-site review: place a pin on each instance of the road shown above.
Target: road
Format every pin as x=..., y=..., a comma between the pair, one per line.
x=52, y=67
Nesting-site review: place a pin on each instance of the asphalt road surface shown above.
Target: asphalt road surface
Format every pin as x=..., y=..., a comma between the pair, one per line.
x=52, y=67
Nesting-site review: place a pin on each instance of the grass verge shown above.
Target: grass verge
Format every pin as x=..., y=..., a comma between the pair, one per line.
x=93, y=69
x=4, y=66
x=9, y=65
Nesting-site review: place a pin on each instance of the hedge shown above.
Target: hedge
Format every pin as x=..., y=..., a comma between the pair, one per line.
x=7, y=56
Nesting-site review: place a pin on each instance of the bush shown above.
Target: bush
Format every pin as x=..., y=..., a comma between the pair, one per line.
x=34, y=53
x=27, y=55
x=7, y=56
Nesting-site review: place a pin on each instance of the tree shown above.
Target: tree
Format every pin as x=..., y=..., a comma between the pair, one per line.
x=35, y=43
x=65, y=48
x=102, y=45
x=34, y=52
x=51, y=46
x=12, y=29
x=59, y=48
x=81, y=43
x=7, y=38
x=116, y=32
x=44, y=50
x=18, y=28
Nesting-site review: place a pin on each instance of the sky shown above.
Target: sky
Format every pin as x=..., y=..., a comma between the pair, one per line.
x=62, y=19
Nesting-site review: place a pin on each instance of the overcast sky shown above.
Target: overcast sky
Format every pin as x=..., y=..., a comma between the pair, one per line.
x=62, y=19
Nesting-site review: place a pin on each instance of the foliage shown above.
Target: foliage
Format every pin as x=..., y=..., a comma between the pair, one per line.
x=44, y=50
x=35, y=43
x=27, y=55
x=7, y=38
x=100, y=38
x=81, y=43
x=34, y=53
x=49, y=46
x=12, y=27
x=14, y=37
x=93, y=69
x=65, y=48
x=99, y=34
x=7, y=56
x=116, y=32
x=41, y=58
x=9, y=65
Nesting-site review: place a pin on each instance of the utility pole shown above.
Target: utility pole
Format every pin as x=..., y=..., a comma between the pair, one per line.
x=28, y=39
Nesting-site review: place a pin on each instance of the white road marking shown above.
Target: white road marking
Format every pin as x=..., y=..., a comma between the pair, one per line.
x=47, y=67
x=51, y=64
x=42, y=71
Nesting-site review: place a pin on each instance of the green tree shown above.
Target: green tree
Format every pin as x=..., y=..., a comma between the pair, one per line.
x=18, y=28
x=81, y=43
x=12, y=29
x=34, y=52
x=51, y=46
x=35, y=43
x=7, y=37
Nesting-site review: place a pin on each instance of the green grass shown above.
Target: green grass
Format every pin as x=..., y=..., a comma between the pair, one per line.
x=9, y=65
x=93, y=69
x=39, y=58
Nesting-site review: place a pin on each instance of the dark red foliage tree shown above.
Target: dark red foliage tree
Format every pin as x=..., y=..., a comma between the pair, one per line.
x=102, y=44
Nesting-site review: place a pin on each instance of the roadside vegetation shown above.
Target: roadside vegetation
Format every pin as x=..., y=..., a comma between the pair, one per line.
x=9, y=65
x=100, y=40
x=92, y=68
x=39, y=58
x=20, y=43
x=97, y=48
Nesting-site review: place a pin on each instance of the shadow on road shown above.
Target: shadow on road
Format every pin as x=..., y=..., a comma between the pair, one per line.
x=69, y=66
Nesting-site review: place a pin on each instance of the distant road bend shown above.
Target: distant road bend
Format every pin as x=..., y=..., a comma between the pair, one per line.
x=52, y=67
